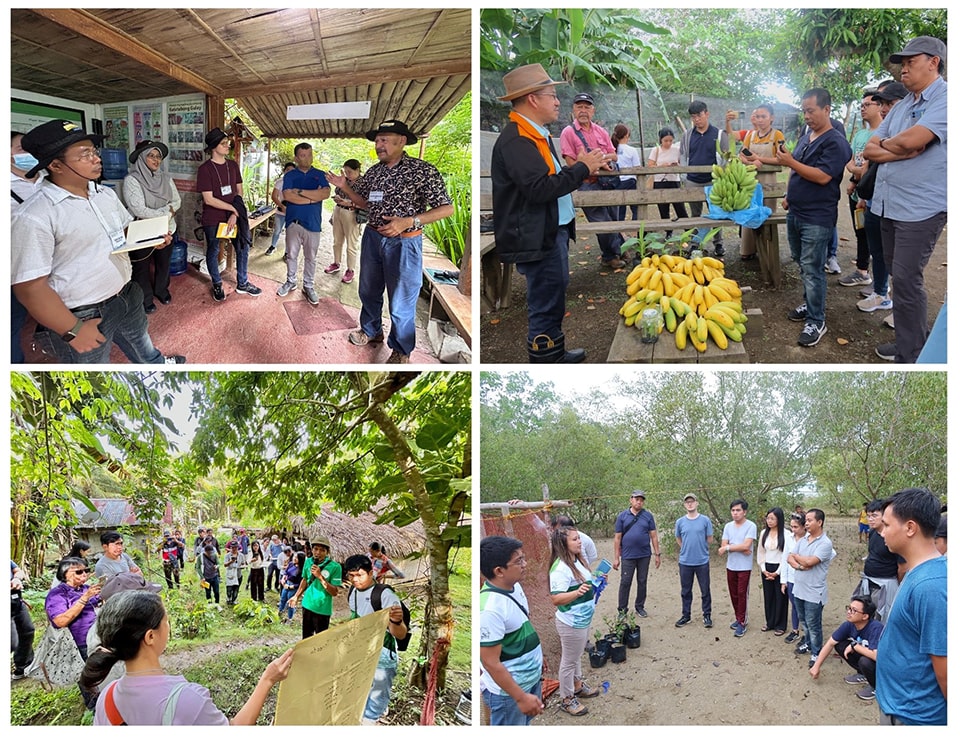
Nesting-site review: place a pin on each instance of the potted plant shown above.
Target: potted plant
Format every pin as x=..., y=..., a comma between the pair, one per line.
x=614, y=629
x=600, y=651
x=618, y=653
x=631, y=632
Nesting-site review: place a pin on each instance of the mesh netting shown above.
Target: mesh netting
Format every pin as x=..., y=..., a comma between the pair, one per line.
x=534, y=533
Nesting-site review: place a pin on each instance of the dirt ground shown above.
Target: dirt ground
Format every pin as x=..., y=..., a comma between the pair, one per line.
x=596, y=294
x=697, y=676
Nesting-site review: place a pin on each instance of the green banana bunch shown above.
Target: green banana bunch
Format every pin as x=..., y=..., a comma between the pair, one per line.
x=733, y=185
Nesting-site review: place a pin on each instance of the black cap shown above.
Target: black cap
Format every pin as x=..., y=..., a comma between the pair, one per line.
x=584, y=98
x=213, y=138
x=393, y=127
x=639, y=494
x=893, y=91
x=46, y=141
x=145, y=146
x=928, y=45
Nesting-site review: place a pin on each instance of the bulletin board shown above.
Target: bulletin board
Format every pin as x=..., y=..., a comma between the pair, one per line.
x=25, y=114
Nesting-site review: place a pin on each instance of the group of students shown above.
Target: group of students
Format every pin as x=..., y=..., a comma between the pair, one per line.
x=888, y=656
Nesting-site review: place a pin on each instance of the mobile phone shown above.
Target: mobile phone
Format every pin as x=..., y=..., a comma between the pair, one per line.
x=783, y=147
x=746, y=152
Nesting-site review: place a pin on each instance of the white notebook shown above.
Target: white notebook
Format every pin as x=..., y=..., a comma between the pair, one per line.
x=149, y=232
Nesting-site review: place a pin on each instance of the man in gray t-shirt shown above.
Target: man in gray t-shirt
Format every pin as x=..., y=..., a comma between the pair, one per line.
x=114, y=560
x=737, y=543
x=811, y=558
x=694, y=533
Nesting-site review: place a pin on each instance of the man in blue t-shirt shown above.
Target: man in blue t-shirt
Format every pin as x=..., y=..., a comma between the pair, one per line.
x=635, y=532
x=694, y=533
x=912, y=653
x=813, y=192
x=304, y=190
x=698, y=146
x=856, y=642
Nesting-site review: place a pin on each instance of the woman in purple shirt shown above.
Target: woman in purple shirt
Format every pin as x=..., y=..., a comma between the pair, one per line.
x=70, y=603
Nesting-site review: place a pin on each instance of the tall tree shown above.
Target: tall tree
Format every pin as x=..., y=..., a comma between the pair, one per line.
x=291, y=441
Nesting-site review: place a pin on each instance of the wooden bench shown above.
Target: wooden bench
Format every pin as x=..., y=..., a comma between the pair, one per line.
x=447, y=302
x=496, y=277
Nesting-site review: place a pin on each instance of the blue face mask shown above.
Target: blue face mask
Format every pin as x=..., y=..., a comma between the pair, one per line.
x=25, y=161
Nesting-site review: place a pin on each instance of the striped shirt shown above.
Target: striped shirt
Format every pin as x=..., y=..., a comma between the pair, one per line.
x=579, y=612
x=503, y=622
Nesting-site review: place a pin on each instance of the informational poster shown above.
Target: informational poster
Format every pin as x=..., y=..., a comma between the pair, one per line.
x=186, y=128
x=116, y=127
x=147, y=122
x=331, y=674
x=26, y=114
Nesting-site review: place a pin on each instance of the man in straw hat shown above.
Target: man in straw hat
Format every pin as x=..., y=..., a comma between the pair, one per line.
x=64, y=267
x=910, y=195
x=401, y=194
x=533, y=209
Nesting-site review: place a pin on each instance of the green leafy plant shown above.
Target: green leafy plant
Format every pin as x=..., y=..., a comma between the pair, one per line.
x=449, y=234
x=189, y=615
x=255, y=613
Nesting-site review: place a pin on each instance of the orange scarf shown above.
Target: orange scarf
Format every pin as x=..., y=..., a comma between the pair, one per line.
x=543, y=146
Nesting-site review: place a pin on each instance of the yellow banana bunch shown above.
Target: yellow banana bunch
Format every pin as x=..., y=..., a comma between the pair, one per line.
x=733, y=185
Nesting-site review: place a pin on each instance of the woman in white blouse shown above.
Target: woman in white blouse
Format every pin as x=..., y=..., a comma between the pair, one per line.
x=770, y=549
x=665, y=154
x=149, y=193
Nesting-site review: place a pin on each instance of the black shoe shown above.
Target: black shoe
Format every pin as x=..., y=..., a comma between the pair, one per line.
x=152, y=308
x=217, y=291
x=166, y=301
x=707, y=622
x=270, y=250
x=792, y=637
x=799, y=313
x=802, y=649
x=641, y=612
x=719, y=252
x=682, y=621
x=543, y=349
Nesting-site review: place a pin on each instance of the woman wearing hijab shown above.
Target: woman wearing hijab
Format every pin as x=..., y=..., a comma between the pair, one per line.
x=148, y=193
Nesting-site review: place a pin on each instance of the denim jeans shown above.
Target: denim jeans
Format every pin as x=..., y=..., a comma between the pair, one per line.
x=808, y=248
x=794, y=616
x=213, y=254
x=394, y=263
x=285, y=596
x=379, y=697
x=504, y=710
x=696, y=208
x=279, y=221
x=21, y=644
x=628, y=184
x=122, y=320
x=811, y=617
x=18, y=317
x=881, y=270
x=702, y=573
x=609, y=243
x=547, y=281
x=213, y=588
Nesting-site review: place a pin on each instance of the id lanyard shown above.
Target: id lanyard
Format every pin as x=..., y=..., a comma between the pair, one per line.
x=114, y=233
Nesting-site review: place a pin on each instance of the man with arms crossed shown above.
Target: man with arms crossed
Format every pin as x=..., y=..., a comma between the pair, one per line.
x=811, y=558
x=694, y=534
x=737, y=542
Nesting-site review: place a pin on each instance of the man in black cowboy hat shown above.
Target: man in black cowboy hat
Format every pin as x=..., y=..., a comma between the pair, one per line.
x=400, y=194
x=533, y=210
x=220, y=184
x=65, y=270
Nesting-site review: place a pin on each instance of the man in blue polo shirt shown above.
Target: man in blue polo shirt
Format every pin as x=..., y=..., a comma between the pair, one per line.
x=910, y=195
x=304, y=189
x=698, y=146
x=635, y=540
x=813, y=192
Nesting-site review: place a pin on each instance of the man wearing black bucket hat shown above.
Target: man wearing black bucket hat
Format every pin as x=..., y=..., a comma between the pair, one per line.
x=64, y=269
x=401, y=194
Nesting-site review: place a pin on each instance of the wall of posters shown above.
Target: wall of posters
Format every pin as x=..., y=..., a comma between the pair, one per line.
x=186, y=127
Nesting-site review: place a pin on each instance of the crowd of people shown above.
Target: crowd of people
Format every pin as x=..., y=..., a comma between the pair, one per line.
x=75, y=273
x=896, y=224
x=894, y=635
x=114, y=625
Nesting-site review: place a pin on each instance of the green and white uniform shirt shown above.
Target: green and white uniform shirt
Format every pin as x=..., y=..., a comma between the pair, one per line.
x=579, y=612
x=504, y=622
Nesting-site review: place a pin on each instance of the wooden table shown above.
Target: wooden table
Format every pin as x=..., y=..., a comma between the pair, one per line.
x=226, y=246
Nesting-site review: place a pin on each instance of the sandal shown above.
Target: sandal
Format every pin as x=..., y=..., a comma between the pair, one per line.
x=585, y=692
x=764, y=628
x=778, y=633
x=574, y=707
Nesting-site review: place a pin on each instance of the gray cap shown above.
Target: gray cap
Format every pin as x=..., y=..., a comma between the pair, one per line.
x=689, y=496
x=893, y=91
x=639, y=494
x=921, y=45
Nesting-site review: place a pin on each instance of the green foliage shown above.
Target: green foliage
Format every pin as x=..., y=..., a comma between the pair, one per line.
x=449, y=234
x=191, y=615
x=255, y=613
x=33, y=705
x=231, y=676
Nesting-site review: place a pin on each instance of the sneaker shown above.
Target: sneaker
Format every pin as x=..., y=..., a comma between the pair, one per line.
x=174, y=360
x=396, y=358
x=270, y=250
x=285, y=288
x=733, y=624
x=682, y=621
x=812, y=333
x=719, y=252
x=740, y=631
x=887, y=351
x=832, y=266
x=18, y=675
x=332, y=268
x=311, y=295
x=641, y=612
x=855, y=278
x=347, y=277
x=867, y=693
x=802, y=649
x=614, y=264
x=875, y=302
x=792, y=637
x=707, y=622
x=217, y=291
x=361, y=340
x=811, y=662
x=888, y=321
x=856, y=678
x=799, y=313
x=573, y=706
x=866, y=292
x=249, y=289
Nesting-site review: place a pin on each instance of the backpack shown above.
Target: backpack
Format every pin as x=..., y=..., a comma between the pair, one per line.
x=377, y=603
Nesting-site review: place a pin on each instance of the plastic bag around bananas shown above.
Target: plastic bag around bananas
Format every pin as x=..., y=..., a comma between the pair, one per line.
x=751, y=217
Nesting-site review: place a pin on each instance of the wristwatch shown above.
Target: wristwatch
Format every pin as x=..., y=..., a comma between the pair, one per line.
x=70, y=335
x=416, y=223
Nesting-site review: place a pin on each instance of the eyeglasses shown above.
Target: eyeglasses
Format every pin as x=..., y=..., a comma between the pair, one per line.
x=867, y=105
x=87, y=155
x=79, y=571
x=519, y=561
x=851, y=610
x=546, y=95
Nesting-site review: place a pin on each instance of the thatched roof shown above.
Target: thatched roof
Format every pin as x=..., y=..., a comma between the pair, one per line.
x=351, y=535
x=412, y=64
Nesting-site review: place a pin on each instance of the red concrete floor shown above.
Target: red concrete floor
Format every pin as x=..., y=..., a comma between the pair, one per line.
x=244, y=330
